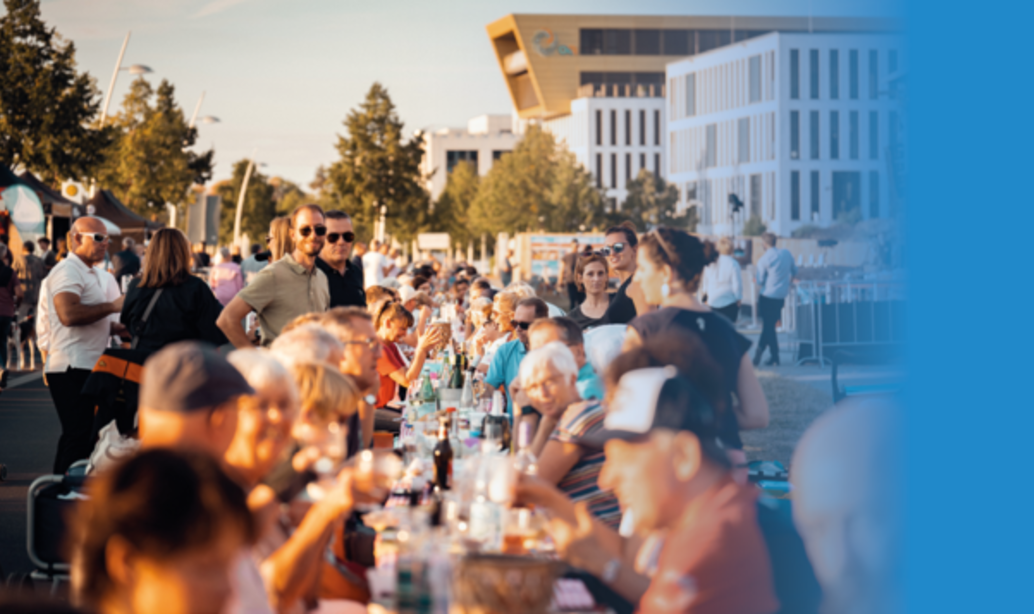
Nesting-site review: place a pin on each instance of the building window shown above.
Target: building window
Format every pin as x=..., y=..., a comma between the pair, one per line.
x=834, y=74
x=657, y=165
x=628, y=126
x=613, y=170
x=642, y=162
x=711, y=145
x=743, y=134
x=628, y=169
x=713, y=39
x=642, y=126
x=795, y=195
x=498, y=153
x=834, y=135
x=814, y=135
x=599, y=127
x=452, y=158
x=814, y=57
x=606, y=42
x=755, y=195
x=853, y=73
x=892, y=127
x=874, y=135
x=599, y=170
x=815, y=196
x=755, y=79
x=613, y=127
x=611, y=41
x=691, y=94
x=874, y=67
x=853, y=129
x=632, y=79
x=892, y=61
x=678, y=42
x=874, y=194
x=656, y=127
x=795, y=135
x=795, y=76
x=647, y=42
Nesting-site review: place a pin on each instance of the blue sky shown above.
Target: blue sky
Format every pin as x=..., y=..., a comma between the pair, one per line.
x=282, y=75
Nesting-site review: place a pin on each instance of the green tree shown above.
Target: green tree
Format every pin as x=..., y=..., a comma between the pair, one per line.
x=537, y=186
x=378, y=169
x=754, y=227
x=46, y=107
x=651, y=202
x=150, y=163
x=259, y=205
x=288, y=195
x=451, y=212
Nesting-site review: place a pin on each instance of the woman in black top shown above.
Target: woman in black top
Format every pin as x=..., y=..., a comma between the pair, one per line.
x=186, y=309
x=591, y=275
x=669, y=268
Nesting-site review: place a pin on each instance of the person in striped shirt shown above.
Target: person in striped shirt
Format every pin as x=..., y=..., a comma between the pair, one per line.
x=548, y=376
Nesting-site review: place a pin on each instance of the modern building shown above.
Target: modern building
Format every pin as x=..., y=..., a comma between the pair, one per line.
x=598, y=82
x=486, y=138
x=798, y=127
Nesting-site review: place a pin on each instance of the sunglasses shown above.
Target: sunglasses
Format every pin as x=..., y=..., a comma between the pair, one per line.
x=319, y=229
x=520, y=325
x=96, y=236
x=617, y=248
x=347, y=237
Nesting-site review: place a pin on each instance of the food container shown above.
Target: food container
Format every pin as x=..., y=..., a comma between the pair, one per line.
x=502, y=584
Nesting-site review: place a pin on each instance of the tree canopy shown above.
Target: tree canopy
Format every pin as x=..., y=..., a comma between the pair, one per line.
x=652, y=202
x=150, y=163
x=259, y=204
x=378, y=168
x=46, y=107
x=451, y=212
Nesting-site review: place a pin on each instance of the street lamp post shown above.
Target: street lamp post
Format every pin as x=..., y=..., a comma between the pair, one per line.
x=240, y=199
x=135, y=69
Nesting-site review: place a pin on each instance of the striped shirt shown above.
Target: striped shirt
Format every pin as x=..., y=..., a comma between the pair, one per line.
x=578, y=421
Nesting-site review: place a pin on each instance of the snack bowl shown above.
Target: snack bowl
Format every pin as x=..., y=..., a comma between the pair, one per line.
x=504, y=584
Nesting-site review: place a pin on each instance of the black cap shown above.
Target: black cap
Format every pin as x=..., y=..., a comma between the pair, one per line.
x=189, y=376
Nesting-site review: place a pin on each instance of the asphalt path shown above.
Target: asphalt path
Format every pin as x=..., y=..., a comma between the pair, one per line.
x=29, y=431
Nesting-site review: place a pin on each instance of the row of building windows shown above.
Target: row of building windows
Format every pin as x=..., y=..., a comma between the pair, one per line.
x=741, y=141
x=814, y=72
x=853, y=132
x=710, y=197
x=455, y=156
x=622, y=78
x=846, y=187
x=625, y=41
x=630, y=172
x=726, y=86
x=627, y=139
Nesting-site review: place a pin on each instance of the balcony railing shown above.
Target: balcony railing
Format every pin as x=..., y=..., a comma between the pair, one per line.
x=626, y=90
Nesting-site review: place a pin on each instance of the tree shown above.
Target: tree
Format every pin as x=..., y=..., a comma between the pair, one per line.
x=451, y=212
x=651, y=202
x=149, y=163
x=46, y=107
x=537, y=186
x=288, y=195
x=754, y=227
x=378, y=169
x=259, y=205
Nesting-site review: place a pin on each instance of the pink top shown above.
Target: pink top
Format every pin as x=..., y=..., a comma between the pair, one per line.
x=226, y=281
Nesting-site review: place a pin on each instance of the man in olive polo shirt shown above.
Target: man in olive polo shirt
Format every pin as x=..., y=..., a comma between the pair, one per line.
x=286, y=289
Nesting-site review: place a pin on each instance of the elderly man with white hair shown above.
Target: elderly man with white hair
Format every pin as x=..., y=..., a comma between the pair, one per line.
x=308, y=344
x=845, y=475
x=548, y=376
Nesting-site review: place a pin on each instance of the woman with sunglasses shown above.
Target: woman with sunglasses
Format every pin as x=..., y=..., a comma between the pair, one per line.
x=621, y=248
x=592, y=275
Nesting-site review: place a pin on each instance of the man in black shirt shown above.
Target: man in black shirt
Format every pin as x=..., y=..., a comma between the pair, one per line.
x=126, y=261
x=343, y=276
x=621, y=248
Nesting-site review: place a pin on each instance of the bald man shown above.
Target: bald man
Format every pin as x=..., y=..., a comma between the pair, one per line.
x=77, y=310
x=846, y=505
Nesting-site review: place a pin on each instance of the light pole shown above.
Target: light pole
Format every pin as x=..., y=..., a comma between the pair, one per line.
x=208, y=119
x=240, y=199
x=135, y=69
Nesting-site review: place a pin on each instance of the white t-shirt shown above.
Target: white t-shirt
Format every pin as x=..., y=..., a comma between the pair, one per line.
x=723, y=282
x=373, y=269
x=78, y=347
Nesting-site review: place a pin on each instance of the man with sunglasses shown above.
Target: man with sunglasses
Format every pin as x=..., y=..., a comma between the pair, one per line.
x=335, y=260
x=620, y=248
x=507, y=360
x=77, y=309
x=286, y=289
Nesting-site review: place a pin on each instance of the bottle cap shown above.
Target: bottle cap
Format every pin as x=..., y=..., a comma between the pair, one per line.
x=449, y=410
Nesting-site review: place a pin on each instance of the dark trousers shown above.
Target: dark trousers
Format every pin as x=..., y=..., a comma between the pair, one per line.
x=5, y=329
x=76, y=416
x=770, y=310
x=574, y=295
x=732, y=312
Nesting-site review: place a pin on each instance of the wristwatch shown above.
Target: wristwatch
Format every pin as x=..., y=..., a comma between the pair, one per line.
x=610, y=571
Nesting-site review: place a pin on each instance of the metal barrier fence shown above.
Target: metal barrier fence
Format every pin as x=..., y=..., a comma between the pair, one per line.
x=831, y=315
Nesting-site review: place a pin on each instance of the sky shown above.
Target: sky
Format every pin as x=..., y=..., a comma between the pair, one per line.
x=281, y=75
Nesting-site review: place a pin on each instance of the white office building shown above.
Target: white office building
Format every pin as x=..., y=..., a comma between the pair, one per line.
x=798, y=126
x=614, y=132
x=486, y=138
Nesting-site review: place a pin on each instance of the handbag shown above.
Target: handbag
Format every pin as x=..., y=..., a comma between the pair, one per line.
x=113, y=387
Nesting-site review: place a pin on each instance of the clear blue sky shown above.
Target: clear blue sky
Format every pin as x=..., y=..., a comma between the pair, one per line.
x=282, y=75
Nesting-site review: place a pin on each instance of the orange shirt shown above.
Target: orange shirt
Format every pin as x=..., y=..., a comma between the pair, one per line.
x=715, y=560
x=389, y=362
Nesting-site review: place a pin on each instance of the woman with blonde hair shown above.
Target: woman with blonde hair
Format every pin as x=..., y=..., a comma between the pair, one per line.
x=279, y=239
x=166, y=303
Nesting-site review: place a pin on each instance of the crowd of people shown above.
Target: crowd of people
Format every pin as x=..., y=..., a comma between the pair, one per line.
x=640, y=462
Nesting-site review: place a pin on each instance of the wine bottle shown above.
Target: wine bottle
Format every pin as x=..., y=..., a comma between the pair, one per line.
x=497, y=425
x=443, y=458
x=525, y=461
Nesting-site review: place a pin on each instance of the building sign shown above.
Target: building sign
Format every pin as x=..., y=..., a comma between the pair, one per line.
x=547, y=251
x=546, y=44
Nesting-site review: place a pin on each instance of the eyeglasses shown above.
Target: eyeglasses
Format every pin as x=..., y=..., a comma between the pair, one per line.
x=617, y=248
x=319, y=229
x=96, y=236
x=520, y=325
x=369, y=342
x=347, y=237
